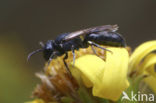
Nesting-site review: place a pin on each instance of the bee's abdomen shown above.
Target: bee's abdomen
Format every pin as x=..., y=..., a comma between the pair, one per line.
x=106, y=38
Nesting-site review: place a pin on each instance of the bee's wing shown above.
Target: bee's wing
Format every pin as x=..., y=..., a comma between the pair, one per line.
x=72, y=35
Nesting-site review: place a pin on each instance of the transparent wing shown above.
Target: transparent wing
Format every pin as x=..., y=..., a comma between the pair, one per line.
x=72, y=35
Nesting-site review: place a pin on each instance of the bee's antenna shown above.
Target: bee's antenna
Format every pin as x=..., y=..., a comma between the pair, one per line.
x=34, y=52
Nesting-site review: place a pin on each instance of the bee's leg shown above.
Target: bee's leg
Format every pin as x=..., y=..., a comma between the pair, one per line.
x=73, y=52
x=93, y=49
x=66, y=65
x=50, y=58
x=96, y=45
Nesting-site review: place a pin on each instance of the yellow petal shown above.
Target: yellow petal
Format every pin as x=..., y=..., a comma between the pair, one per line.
x=91, y=68
x=108, y=79
x=141, y=52
x=148, y=64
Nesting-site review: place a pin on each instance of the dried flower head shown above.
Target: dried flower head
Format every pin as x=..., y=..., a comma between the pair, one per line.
x=57, y=82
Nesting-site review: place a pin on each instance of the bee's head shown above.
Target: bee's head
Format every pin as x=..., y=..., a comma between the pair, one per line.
x=47, y=50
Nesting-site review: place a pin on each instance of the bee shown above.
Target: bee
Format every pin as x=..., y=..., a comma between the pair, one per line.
x=101, y=35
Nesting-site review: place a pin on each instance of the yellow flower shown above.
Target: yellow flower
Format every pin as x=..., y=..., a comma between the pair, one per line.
x=108, y=78
x=143, y=61
x=105, y=74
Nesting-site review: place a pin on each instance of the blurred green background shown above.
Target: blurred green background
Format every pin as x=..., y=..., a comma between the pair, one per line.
x=23, y=23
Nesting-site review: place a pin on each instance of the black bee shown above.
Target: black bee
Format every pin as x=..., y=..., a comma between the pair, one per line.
x=96, y=36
